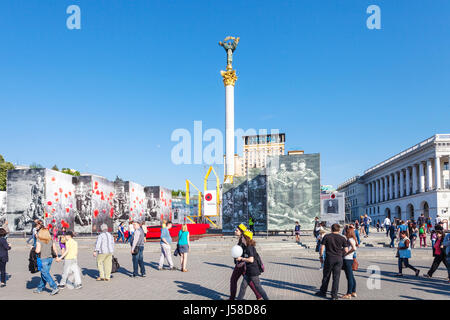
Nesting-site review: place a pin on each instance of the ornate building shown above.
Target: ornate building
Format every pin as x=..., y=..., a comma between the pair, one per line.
x=410, y=183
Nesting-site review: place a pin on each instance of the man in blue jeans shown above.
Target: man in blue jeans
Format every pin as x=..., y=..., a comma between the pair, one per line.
x=366, y=225
x=137, y=249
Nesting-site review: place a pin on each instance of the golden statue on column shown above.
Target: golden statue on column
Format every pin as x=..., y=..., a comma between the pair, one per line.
x=229, y=76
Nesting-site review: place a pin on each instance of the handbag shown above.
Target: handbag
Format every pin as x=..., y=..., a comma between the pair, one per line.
x=355, y=265
x=135, y=251
x=177, y=250
x=115, y=265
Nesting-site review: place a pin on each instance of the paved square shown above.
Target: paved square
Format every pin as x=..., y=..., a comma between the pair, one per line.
x=290, y=274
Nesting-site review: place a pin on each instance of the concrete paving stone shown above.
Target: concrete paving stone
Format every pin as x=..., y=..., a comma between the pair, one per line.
x=292, y=272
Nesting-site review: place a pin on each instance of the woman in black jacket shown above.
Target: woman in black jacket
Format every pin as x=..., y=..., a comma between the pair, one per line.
x=252, y=272
x=4, y=247
x=438, y=254
x=239, y=268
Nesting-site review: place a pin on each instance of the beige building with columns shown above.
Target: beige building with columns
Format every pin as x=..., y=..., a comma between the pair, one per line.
x=410, y=183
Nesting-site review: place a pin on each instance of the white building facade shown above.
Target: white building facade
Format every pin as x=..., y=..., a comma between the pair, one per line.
x=355, y=198
x=410, y=183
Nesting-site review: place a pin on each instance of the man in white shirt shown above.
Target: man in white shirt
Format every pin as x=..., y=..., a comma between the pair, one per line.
x=387, y=224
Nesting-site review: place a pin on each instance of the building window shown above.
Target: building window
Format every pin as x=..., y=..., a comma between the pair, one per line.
x=445, y=165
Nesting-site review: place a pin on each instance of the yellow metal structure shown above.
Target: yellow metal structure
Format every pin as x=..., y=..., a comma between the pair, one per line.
x=199, y=198
x=228, y=178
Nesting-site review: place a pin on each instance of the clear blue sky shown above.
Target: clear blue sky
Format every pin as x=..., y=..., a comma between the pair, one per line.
x=106, y=98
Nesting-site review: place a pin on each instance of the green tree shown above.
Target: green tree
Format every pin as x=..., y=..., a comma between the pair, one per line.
x=71, y=172
x=35, y=165
x=4, y=167
x=55, y=167
x=175, y=193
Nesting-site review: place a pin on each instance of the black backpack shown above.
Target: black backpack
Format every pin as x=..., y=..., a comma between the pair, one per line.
x=32, y=265
x=259, y=262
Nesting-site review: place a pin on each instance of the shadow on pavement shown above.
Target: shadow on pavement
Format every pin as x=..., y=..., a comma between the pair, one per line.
x=411, y=298
x=33, y=283
x=294, y=265
x=152, y=265
x=93, y=273
x=196, y=289
x=310, y=290
x=219, y=265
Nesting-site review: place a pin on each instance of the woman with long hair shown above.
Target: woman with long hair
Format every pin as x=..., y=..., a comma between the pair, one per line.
x=183, y=246
x=348, y=263
x=46, y=249
x=239, y=268
x=252, y=264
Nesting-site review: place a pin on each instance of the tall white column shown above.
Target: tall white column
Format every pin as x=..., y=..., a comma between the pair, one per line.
x=414, y=179
x=437, y=173
x=429, y=175
x=391, y=187
x=402, y=184
x=421, y=177
x=377, y=191
x=229, y=129
x=396, y=185
x=408, y=181
x=380, y=198
x=385, y=188
x=373, y=192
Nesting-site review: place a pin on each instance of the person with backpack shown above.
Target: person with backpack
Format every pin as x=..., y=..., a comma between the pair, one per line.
x=438, y=254
x=71, y=269
x=392, y=234
x=4, y=248
x=46, y=251
x=297, y=232
x=254, y=267
x=239, y=268
x=104, y=249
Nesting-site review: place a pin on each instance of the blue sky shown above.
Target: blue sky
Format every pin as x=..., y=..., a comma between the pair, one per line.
x=105, y=99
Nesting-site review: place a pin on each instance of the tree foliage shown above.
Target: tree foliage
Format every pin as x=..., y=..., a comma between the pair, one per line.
x=71, y=172
x=175, y=193
x=55, y=167
x=4, y=167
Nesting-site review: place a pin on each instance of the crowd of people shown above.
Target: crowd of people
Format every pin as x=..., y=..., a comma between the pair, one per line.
x=337, y=251
x=49, y=245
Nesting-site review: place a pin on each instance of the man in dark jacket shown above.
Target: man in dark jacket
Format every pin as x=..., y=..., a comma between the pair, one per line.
x=4, y=247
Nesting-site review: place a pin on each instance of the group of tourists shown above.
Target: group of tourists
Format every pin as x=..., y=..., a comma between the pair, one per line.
x=337, y=251
x=49, y=246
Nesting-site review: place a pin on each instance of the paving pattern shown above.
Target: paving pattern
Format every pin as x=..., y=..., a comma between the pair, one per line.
x=290, y=274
